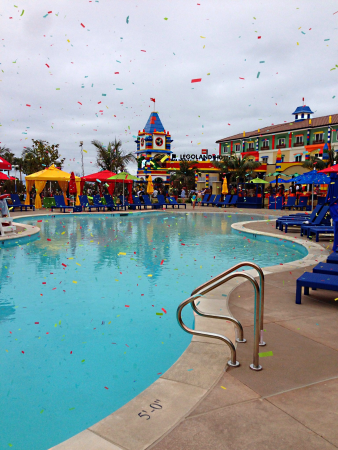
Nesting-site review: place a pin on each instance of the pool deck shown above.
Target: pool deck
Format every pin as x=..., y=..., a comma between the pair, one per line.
x=291, y=404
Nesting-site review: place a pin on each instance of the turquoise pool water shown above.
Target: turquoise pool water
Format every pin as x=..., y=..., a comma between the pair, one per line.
x=88, y=312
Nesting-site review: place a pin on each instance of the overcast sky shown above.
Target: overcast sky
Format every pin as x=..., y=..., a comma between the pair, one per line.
x=291, y=44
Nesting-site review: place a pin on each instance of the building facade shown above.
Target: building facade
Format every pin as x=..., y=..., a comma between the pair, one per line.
x=305, y=136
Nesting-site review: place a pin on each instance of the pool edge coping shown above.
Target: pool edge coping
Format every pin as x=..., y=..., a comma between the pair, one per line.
x=316, y=253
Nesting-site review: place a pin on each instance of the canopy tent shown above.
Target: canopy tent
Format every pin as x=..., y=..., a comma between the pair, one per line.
x=103, y=177
x=125, y=178
x=5, y=165
x=258, y=181
x=52, y=173
x=3, y=177
x=332, y=169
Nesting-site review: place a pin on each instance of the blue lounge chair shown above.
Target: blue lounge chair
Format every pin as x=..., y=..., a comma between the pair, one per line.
x=60, y=204
x=234, y=200
x=137, y=203
x=210, y=200
x=147, y=202
x=326, y=268
x=303, y=200
x=16, y=203
x=216, y=200
x=205, y=199
x=304, y=223
x=225, y=202
x=300, y=216
x=315, y=281
x=109, y=202
x=85, y=203
x=333, y=258
x=319, y=230
x=173, y=203
x=290, y=203
x=162, y=202
x=323, y=218
x=97, y=203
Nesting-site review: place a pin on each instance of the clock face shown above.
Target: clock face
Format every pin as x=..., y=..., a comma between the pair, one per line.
x=159, y=142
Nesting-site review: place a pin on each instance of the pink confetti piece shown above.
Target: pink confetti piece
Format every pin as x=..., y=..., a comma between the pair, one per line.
x=241, y=78
x=165, y=312
x=143, y=50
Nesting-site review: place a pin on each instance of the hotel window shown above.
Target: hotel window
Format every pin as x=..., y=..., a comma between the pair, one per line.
x=319, y=137
x=265, y=143
x=302, y=116
x=299, y=139
x=265, y=159
x=282, y=158
x=298, y=158
x=237, y=147
x=251, y=145
x=281, y=141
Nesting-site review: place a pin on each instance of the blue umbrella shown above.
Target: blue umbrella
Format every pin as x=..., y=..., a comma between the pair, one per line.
x=332, y=198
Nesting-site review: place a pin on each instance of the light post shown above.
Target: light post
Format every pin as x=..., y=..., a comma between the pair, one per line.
x=81, y=145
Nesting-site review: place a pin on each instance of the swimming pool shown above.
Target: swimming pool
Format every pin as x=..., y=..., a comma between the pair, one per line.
x=88, y=312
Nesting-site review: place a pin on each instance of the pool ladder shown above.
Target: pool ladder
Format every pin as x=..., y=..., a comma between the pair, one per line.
x=258, y=316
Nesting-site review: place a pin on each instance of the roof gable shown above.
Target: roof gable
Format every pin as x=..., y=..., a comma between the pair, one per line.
x=154, y=123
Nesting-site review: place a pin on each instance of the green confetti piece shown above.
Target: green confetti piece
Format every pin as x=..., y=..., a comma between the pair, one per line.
x=119, y=89
x=334, y=96
x=258, y=74
x=118, y=61
x=41, y=411
x=262, y=355
x=127, y=19
x=303, y=32
x=159, y=314
x=166, y=18
x=71, y=409
x=326, y=39
x=57, y=89
x=104, y=95
x=83, y=360
x=261, y=62
x=22, y=12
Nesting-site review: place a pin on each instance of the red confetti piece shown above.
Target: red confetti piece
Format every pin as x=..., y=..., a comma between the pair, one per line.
x=106, y=387
x=47, y=65
x=43, y=282
x=160, y=373
x=71, y=352
x=143, y=50
x=50, y=12
x=127, y=345
x=22, y=351
x=36, y=323
x=80, y=103
x=241, y=78
x=127, y=306
x=39, y=220
x=98, y=103
x=64, y=265
x=162, y=262
x=259, y=37
x=196, y=80
x=82, y=25
x=117, y=73
x=165, y=312
x=48, y=239
x=29, y=106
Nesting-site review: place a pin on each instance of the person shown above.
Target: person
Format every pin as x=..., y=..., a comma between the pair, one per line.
x=183, y=193
x=155, y=193
x=199, y=198
x=193, y=200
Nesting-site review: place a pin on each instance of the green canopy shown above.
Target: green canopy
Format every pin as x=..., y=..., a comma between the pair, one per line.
x=259, y=181
x=123, y=176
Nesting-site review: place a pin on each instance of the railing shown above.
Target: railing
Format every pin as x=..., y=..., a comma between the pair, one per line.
x=258, y=317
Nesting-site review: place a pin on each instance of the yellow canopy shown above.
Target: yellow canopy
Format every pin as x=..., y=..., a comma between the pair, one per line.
x=225, y=186
x=52, y=173
x=150, y=186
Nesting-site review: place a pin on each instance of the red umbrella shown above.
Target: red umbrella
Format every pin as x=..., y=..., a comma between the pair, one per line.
x=3, y=176
x=72, y=184
x=332, y=169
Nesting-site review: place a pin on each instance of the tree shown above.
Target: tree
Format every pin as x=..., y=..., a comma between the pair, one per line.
x=18, y=163
x=112, y=158
x=185, y=176
x=40, y=156
x=7, y=154
x=238, y=167
x=319, y=164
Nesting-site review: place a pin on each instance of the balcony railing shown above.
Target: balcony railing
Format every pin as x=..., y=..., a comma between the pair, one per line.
x=265, y=148
x=318, y=142
x=281, y=146
x=298, y=144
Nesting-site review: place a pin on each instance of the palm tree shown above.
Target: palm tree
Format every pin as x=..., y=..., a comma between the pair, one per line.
x=185, y=176
x=237, y=167
x=19, y=164
x=112, y=158
x=6, y=154
x=319, y=164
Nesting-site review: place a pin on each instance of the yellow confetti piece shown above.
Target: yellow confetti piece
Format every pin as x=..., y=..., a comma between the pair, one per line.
x=85, y=151
x=121, y=253
x=223, y=387
x=201, y=267
x=70, y=258
x=63, y=232
x=335, y=299
x=149, y=275
x=75, y=282
x=56, y=325
x=109, y=322
x=78, y=264
x=203, y=37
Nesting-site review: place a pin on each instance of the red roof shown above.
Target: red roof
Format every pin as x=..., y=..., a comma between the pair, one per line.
x=5, y=165
x=102, y=176
x=332, y=169
x=285, y=127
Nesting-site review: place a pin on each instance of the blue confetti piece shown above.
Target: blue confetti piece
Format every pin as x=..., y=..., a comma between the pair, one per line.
x=258, y=74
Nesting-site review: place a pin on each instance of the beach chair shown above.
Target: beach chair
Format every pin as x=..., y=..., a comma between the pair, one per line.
x=276, y=202
x=326, y=268
x=323, y=218
x=303, y=200
x=137, y=203
x=60, y=204
x=290, y=203
x=16, y=203
x=234, y=200
x=124, y=204
x=319, y=230
x=6, y=222
x=304, y=223
x=97, y=204
x=110, y=202
x=333, y=258
x=225, y=202
x=161, y=201
x=315, y=281
x=216, y=200
x=205, y=198
x=210, y=201
x=300, y=216
x=173, y=203
x=147, y=202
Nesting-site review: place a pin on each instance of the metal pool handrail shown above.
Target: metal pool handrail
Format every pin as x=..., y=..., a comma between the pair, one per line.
x=232, y=362
x=261, y=292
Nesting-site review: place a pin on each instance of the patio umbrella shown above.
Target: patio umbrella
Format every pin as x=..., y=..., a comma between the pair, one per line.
x=225, y=189
x=124, y=176
x=259, y=181
x=150, y=186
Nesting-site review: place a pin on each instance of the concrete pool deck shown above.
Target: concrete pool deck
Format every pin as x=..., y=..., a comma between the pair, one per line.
x=291, y=403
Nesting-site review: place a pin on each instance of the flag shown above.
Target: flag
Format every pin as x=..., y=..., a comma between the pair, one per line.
x=152, y=99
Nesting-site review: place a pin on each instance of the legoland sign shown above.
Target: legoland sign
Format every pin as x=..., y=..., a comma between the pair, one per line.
x=193, y=157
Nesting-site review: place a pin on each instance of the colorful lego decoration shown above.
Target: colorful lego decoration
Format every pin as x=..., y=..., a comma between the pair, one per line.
x=279, y=160
x=206, y=180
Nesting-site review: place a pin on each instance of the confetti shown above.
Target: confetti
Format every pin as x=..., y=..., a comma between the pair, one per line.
x=262, y=355
x=83, y=25
x=127, y=19
x=258, y=74
x=196, y=80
